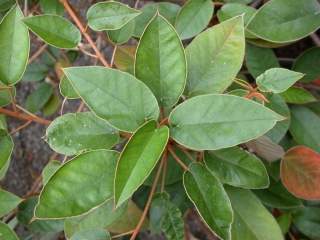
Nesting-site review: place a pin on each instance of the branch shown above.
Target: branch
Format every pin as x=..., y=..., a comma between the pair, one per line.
x=178, y=160
x=25, y=117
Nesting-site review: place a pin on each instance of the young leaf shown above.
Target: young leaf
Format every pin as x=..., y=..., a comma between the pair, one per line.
x=123, y=34
x=283, y=21
x=6, y=233
x=305, y=127
x=215, y=57
x=54, y=30
x=110, y=15
x=6, y=148
x=138, y=158
x=37, y=99
x=79, y=185
x=298, y=95
x=210, y=199
x=277, y=80
x=307, y=221
x=237, y=167
x=75, y=132
x=214, y=121
x=252, y=221
x=115, y=96
x=8, y=202
x=300, y=172
x=193, y=17
x=159, y=49
x=168, y=10
x=14, y=50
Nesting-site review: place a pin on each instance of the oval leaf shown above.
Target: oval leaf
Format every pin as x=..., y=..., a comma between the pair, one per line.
x=215, y=57
x=8, y=202
x=79, y=185
x=159, y=49
x=237, y=167
x=75, y=132
x=138, y=158
x=6, y=148
x=300, y=172
x=110, y=15
x=210, y=199
x=213, y=121
x=6, y=233
x=14, y=50
x=115, y=96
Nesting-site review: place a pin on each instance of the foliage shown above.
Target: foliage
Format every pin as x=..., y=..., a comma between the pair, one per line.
x=193, y=110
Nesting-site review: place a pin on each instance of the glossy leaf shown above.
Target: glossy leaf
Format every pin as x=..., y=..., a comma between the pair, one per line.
x=6, y=233
x=252, y=221
x=115, y=96
x=79, y=185
x=214, y=121
x=307, y=221
x=138, y=158
x=167, y=9
x=54, y=30
x=215, y=57
x=74, y=132
x=297, y=95
x=308, y=63
x=237, y=167
x=305, y=127
x=6, y=148
x=110, y=15
x=209, y=198
x=49, y=170
x=159, y=49
x=259, y=60
x=14, y=50
x=66, y=89
x=8, y=202
x=300, y=172
x=193, y=17
x=277, y=80
x=38, y=98
x=123, y=34
x=282, y=21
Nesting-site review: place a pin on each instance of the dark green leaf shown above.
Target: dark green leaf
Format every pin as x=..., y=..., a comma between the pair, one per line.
x=6, y=95
x=6, y=233
x=6, y=4
x=52, y=105
x=38, y=98
x=123, y=34
x=6, y=148
x=35, y=72
x=297, y=95
x=8, y=202
x=51, y=7
x=159, y=49
x=284, y=222
x=54, y=30
x=307, y=220
x=138, y=158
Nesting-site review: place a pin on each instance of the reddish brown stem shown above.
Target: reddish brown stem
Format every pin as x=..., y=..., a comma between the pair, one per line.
x=26, y=117
x=21, y=127
x=178, y=160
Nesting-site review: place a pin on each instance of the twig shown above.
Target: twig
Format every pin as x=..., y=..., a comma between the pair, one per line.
x=23, y=116
x=25, y=9
x=86, y=52
x=83, y=31
x=81, y=106
x=186, y=152
x=21, y=127
x=146, y=208
x=62, y=105
x=122, y=234
x=113, y=55
x=178, y=160
x=37, y=53
x=315, y=39
x=164, y=172
x=136, y=4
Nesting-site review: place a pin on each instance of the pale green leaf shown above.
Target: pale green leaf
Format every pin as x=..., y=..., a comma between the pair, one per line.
x=6, y=233
x=8, y=202
x=115, y=96
x=6, y=148
x=159, y=49
x=138, y=158
x=96, y=234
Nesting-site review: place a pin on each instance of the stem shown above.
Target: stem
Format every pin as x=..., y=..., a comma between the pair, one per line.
x=146, y=208
x=113, y=55
x=20, y=127
x=83, y=31
x=26, y=117
x=315, y=39
x=122, y=234
x=243, y=83
x=178, y=160
x=164, y=172
x=186, y=152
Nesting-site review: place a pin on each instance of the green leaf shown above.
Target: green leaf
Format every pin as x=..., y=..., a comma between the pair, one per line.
x=305, y=127
x=110, y=15
x=215, y=57
x=259, y=60
x=159, y=49
x=6, y=95
x=49, y=170
x=51, y=7
x=6, y=4
x=276, y=196
x=96, y=234
x=284, y=222
x=214, y=121
x=66, y=89
x=38, y=98
x=6, y=233
x=6, y=148
x=79, y=185
x=99, y=218
x=35, y=72
x=283, y=21
x=74, y=132
x=115, y=96
x=138, y=158
x=168, y=10
x=309, y=64
x=210, y=199
x=252, y=221
x=54, y=30
x=237, y=167
x=238, y=1
x=123, y=34
x=8, y=202
x=14, y=50
x=51, y=106
x=167, y=217
x=307, y=220
x=193, y=17
x=124, y=58
x=298, y=95
x=277, y=80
